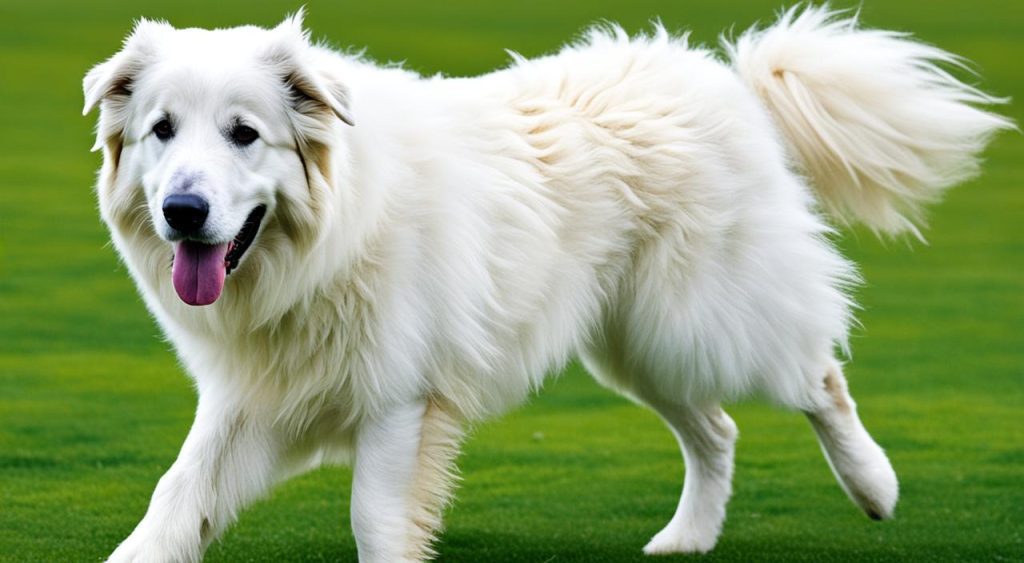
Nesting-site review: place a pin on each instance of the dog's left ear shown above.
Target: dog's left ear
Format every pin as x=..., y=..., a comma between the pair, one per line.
x=314, y=88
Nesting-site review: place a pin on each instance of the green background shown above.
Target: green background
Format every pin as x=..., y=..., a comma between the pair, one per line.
x=93, y=406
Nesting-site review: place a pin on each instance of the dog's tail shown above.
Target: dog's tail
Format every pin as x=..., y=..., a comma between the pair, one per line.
x=871, y=117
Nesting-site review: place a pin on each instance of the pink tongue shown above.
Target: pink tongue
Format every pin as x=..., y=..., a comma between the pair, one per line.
x=199, y=271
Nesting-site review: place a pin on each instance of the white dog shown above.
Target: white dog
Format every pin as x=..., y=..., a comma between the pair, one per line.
x=381, y=257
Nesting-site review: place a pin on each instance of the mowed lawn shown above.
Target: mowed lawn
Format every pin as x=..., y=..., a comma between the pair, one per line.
x=93, y=405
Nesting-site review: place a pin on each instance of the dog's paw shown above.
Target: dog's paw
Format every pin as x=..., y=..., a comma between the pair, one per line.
x=130, y=551
x=141, y=547
x=680, y=539
x=873, y=485
x=136, y=553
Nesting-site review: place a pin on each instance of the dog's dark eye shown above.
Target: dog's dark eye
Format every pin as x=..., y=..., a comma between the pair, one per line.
x=243, y=135
x=163, y=129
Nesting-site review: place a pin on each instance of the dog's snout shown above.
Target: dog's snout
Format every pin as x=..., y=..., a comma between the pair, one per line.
x=186, y=213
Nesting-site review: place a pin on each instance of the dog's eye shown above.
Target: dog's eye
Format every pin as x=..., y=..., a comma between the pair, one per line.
x=163, y=129
x=243, y=135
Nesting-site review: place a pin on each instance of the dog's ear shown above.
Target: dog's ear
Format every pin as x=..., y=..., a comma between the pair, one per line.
x=111, y=81
x=315, y=89
x=310, y=81
x=113, y=77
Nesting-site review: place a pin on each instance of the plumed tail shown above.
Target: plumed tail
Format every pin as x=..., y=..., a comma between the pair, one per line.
x=871, y=117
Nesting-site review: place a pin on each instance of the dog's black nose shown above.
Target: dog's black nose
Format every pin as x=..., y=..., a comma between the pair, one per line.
x=186, y=213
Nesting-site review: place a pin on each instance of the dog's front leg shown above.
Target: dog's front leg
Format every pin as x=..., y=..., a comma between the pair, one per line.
x=404, y=468
x=387, y=449
x=228, y=459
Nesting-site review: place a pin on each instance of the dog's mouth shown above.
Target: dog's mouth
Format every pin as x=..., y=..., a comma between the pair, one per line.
x=200, y=268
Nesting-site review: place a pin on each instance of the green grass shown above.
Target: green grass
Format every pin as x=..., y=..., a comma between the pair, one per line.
x=93, y=405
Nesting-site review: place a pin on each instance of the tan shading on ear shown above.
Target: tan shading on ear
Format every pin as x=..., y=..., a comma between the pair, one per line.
x=313, y=89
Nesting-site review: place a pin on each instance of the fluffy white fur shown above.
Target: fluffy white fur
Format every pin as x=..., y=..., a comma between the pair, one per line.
x=625, y=200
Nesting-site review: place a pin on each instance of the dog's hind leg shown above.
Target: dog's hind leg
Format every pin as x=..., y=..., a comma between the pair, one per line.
x=403, y=476
x=858, y=463
x=707, y=437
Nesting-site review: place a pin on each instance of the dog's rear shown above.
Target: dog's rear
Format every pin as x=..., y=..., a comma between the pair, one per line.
x=879, y=128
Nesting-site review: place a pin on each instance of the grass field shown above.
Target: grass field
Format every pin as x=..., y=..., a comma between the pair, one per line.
x=93, y=406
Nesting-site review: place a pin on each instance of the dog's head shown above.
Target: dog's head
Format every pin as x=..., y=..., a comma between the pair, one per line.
x=216, y=144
